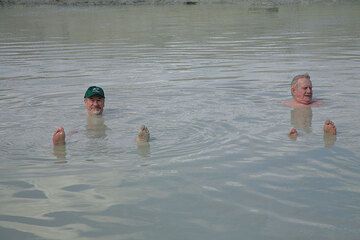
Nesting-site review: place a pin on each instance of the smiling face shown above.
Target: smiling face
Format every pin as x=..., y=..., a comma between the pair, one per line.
x=302, y=91
x=94, y=105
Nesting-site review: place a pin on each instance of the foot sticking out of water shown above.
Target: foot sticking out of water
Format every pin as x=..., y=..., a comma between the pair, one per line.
x=59, y=136
x=329, y=133
x=329, y=127
x=293, y=134
x=143, y=135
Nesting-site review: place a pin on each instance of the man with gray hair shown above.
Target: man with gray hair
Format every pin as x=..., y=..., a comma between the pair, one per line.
x=301, y=91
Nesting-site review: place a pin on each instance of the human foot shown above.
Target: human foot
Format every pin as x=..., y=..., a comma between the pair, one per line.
x=59, y=136
x=329, y=133
x=143, y=135
x=329, y=127
x=293, y=134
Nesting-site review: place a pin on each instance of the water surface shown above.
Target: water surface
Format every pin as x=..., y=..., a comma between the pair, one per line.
x=208, y=81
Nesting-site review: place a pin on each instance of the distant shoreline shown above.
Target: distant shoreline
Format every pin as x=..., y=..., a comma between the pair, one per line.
x=98, y=2
x=256, y=3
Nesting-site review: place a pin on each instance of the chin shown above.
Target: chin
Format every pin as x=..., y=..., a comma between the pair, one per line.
x=96, y=112
x=306, y=101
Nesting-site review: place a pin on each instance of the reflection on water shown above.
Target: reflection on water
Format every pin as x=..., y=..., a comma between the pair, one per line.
x=329, y=140
x=59, y=152
x=143, y=149
x=206, y=79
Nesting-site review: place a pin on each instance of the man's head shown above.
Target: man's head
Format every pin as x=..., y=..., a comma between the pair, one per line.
x=94, y=100
x=301, y=89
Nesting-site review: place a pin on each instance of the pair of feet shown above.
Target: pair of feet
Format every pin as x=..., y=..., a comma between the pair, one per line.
x=144, y=134
x=142, y=137
x=329, y=129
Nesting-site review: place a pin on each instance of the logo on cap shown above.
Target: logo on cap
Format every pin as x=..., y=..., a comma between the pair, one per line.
x=94, y=91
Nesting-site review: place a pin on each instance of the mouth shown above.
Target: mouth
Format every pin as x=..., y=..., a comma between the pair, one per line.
x=96, y=110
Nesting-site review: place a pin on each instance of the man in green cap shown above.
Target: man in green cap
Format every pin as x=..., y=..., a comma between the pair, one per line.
x=94, y=101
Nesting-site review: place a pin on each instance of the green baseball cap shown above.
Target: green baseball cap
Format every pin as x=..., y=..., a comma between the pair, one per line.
x=94, y=91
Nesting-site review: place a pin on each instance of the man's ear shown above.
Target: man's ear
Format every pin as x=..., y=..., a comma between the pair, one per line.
x=293, y=89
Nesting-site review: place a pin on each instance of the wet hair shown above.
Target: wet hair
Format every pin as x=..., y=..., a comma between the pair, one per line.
x=297, y=77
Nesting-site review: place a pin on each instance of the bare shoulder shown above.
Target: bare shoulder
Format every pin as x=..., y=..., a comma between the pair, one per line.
x=287, y=103
x=293, y=104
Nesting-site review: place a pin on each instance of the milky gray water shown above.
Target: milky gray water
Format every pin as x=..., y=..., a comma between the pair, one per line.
x=208, y=81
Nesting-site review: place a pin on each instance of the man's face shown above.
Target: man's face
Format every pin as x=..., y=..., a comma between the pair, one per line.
x=94, y=105
x=302, y=91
